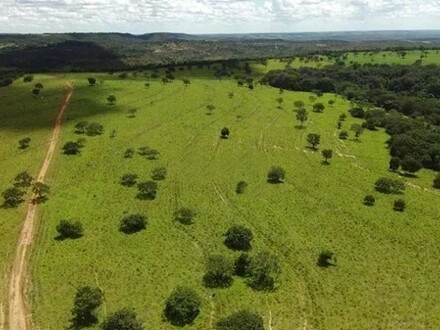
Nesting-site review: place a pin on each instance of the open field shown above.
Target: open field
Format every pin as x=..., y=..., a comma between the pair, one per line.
x=387, y=57
x=387, y=270
x=22, y=115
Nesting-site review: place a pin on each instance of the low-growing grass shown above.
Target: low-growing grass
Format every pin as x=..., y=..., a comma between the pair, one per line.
x=386, y=273
x=395, y=57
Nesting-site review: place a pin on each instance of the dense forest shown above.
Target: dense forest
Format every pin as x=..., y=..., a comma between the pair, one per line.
x=402, y=99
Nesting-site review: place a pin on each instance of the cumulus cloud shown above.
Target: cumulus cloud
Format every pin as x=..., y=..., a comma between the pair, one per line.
x=207, y=16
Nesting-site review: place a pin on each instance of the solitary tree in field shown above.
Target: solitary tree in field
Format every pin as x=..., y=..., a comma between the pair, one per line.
x=182, y=306
x=133, y=223
x=111, y=99
x=24, y=143
x=122, y=319
x=39, y=86
x=238, y=238
x=318, y=107
x=129, y=179
x=129, y=153
x=184, y=215
x=301, y=115
x=369, y=200
x=280, y=101
x=91, y=80
x=399, y=205
x=186, y=82
x=81, y=127
x=69, y=229
x=331, y=103
x=94, y=129
x=28, y=78
x=159, y=173
x=23, y=179
x=87, y=300
x=219, y=271
x=224, y=134
x=299, y=104
x=327, y=154
x=210, y=108
x=241, y=187
x=326, y=259
x=314, y=139
x=40, y=190
x=389, y=186
x=72, y=148
x=264, y=271
x=12, y=197
x=276, y=174
x=358, y=130
x=343, y=135
x=241, y=320
x=147, y=190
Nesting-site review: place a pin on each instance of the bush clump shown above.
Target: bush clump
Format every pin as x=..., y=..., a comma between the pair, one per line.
x=133, y=223
x=238, y=238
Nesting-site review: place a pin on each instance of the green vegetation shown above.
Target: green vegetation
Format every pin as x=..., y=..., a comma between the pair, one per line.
x=241, y=320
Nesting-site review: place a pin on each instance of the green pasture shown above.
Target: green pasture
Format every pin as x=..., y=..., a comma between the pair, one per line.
x=387, y=262
x=22, y=115
x=391, y=57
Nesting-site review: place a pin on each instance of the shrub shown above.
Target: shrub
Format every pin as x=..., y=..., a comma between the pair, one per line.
x=111, y=99
x=123, y=319
x=91, y=80
x=436, y=182
x=28, y=78
x=159, y=173
x=318, y=107
x=241, y=187
x=241, y=320
x=87, y=300
x=81, y=127
x=389, y=186
x=94, y=129
x=218, y=272
x=12, y=197
x=224, y=134
x=342, y=117
x=70, y=229
x=184, y=215
x=314, y=140
x=343, y=135
x=276, y=174
x=242, y=264
x=327, y=154
x=399, y=205
x=133, y=223
x=149, y=153
x=129, y=153
x=326, y=259
x=264, y=270
x=147, y=190
x=23, y=179
x=369, y=200
x=182, y=306
x=238, y=238
x=129, y=179
x=72, y=148
x=24, y=143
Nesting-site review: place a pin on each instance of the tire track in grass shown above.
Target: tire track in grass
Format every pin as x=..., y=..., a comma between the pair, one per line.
x=19, y=315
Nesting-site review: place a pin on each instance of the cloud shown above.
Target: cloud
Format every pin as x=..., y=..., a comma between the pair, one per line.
x=205, y=16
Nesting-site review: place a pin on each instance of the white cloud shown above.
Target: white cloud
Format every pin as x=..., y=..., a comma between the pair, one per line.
x=207, y=16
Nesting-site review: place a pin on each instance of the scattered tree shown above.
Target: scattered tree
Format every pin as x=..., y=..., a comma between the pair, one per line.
x=40, y=190
x=224, y=134
x=241, y=187
x=343, y=135
x=314, y=140
x=299, y=104
x=123, y=319
x=91, y=80
x=129, y=179
x=36, y=91
x=369, y=200
x=331, y=103
x=87, y=300
x=111, y=99
x=184, y=215
x=238, y=238
x=218, y=272
x=389, y=186
x=133, y=223
x=39, y=86
x=28, y=78
x=149, y=153
x=159, y=173
x=327, y=154
x=210, y=108
x=81, y=127
x=94, y=129
x=264, y=271
x=326, y=259
x=399, y=205
x=23, y=180
x=436, y=182
x=318, y=107
x=241, y=320
x=394, y=163
x=129, y=153
x=301, y=115
x=72, y=148
x=12, y=197
x=342, y=117
x=358, y=130
x=182, y=306
x=242, y=264
x=24, y=143
x=276, y=174
x=147, y=190
x=280, y=101
x=69, y=229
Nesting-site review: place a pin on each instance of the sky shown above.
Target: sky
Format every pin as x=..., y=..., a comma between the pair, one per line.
x=216, y=16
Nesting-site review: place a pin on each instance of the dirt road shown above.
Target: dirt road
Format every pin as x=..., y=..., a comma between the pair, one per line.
x=18, y=307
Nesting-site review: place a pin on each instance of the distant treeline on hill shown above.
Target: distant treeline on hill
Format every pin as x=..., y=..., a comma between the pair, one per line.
x=405, y=100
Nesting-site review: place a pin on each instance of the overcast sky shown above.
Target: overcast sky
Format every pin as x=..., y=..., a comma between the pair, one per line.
x=216, y=16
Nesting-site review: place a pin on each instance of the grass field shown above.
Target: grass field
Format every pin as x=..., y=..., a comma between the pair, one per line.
x=387, y=269
x=387, y=57
x=22, y=115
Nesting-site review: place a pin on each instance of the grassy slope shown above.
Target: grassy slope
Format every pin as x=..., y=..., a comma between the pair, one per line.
x=386, y=276
x=22, y=115
x=433, y=57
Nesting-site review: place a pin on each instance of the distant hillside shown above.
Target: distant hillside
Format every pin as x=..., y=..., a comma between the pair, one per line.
x=119, y=51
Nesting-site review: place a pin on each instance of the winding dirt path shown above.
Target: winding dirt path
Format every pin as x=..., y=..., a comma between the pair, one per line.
x=18, y=307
